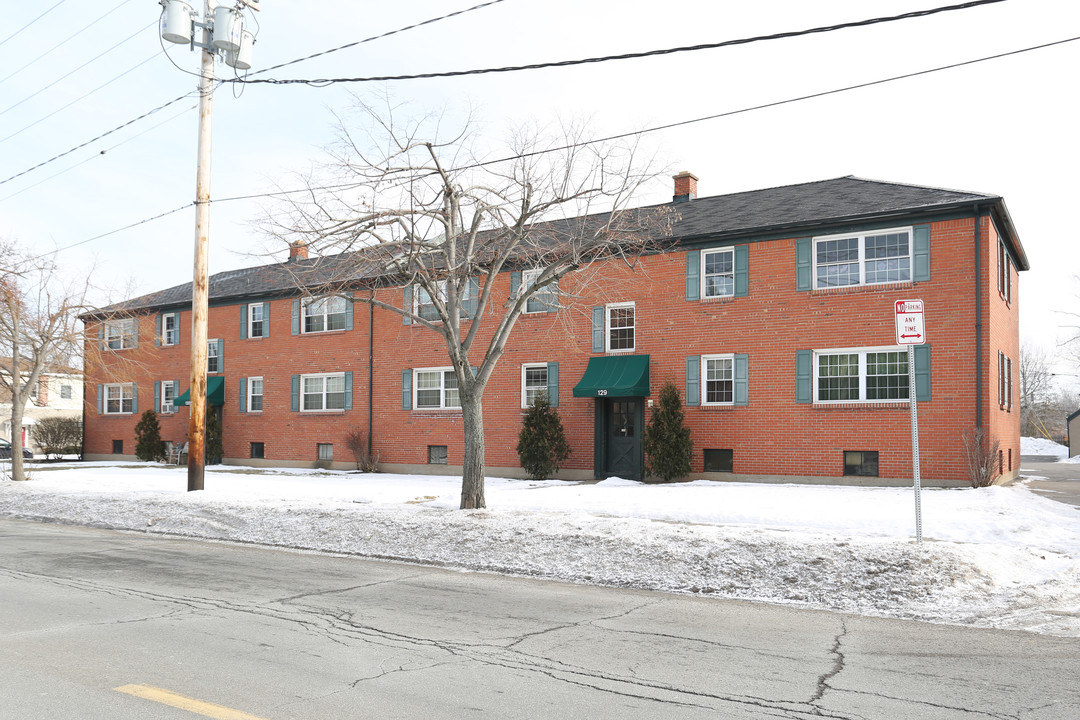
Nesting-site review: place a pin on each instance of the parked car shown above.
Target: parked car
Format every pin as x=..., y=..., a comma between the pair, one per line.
x=5, y=451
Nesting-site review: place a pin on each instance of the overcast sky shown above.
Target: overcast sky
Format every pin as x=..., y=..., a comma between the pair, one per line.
x=1005, y=127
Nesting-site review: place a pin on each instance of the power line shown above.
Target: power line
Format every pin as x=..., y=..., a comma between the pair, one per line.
x=619, y=136
x=9, y=37
x=324, y=82
x=64, y=77
x=99, y=137
x=63, y=42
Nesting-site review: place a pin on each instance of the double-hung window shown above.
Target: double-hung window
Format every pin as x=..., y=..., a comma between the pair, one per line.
x=256, y=320
x=322, y=392
x=718, y=379
x=545, y=299
x=119, y=398
x=169, y=329
x=861, y=375
x=718, y=273
x=425, y=305
x=863, y=259
x=534, y=382
x=1004, y=272
x=168, y=397
x=435, y=388
x=1004, y=381
x=119, y=334
x=255, y=394
x=324, y=314
x=620, y=327
x=213, y=356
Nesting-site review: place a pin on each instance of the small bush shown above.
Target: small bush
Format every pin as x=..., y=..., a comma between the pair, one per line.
x=356, y=443
x=148, y=443
x=981, y=457
x=542, y=442
x=668, y=447
x=59, y=436
x=214, y=447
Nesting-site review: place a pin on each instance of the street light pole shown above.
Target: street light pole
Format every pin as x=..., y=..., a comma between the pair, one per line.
x=200, y=281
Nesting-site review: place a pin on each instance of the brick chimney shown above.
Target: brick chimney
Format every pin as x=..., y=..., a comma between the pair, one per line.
x=685, y=187
x=298, y=250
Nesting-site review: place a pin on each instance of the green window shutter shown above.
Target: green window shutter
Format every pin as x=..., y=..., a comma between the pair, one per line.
x=742, y=270
x=177, y=321
x=157, y=395
x=693, y=380
x=406, y=389
x=266, y=319
x=134, y=398
x=553, y=383
x=295, y=399
x=407, y=306
x=349, y=311
x=100, y=399
x=243, y=321
x=804, y=376
x=348, y=390
x=693, y=274
x=296, y=316
x=803, y=263
x=157, y=331
x=742, y=380
x=243, y=394
x=221, y=356
x=921, y=254
x=598, y=329
x=515, y=283
x=922, y=372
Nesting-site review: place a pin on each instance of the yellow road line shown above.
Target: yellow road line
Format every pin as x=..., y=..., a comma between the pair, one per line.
x=198, y=707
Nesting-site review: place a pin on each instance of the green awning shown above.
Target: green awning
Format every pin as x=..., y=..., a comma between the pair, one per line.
x=615, y=376
x=215, y=393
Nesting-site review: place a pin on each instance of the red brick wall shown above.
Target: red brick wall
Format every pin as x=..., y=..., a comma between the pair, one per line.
x=773, y=435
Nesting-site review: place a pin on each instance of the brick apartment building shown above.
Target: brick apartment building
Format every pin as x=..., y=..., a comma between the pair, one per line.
x=772, y=312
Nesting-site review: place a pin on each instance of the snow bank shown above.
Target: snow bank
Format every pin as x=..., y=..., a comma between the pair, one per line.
x=1042, y=446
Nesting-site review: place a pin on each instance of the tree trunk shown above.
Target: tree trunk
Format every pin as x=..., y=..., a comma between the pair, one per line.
x=472, y=471
x=18, y=472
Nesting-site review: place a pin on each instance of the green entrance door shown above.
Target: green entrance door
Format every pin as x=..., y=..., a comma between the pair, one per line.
x=622, y=426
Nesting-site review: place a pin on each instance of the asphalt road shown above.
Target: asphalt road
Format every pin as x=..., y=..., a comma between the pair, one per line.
x=1057, y=481
x=262, y=633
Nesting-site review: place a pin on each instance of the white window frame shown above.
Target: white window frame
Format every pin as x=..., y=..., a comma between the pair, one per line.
x=705, y=359
x=608, y=311
x=212, y=354
x=167, y=406
x=862, y=260
x=251, y=394
x=324, y=452
x=1004, y=272
x=730, y=251
x=120, y=331
x=862, y=352
x=66, y=392
x=308, y=311
x=166, y=330
x=444, y=373
x=122, y=397
x=252, y=308
x=544, y=299
x=1004, y=381
x=525, y=367
x=322, y=394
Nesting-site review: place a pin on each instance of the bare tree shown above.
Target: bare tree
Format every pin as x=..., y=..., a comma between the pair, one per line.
x=1036, y=383
x=38, y=328
x=415, y=206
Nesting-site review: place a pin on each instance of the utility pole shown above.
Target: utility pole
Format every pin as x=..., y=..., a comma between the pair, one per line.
x=177, y=26
x=200, y=284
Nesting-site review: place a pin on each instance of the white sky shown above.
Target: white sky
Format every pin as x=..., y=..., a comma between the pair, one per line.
x=1004, y=127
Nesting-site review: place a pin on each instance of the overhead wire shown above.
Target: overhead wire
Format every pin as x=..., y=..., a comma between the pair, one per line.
x=12, y=35
x=325, y=82
x=65, y=41
x=609, y=138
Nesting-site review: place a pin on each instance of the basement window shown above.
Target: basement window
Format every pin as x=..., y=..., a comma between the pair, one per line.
x=436, y=454
x=861, y=462
x=718, y=460
x=258, y=451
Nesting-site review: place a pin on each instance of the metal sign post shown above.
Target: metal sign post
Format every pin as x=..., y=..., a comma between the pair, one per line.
x=911, y=331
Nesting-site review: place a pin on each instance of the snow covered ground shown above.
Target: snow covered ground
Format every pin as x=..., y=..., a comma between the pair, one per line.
x=1042, y=446
x=993, y=557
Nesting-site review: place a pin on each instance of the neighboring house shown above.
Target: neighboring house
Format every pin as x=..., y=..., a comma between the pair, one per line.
x=58, y=393
x=773, y=312
x=1072, y=427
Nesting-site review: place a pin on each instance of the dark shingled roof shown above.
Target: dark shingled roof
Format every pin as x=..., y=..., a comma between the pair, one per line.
x=805, y=207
